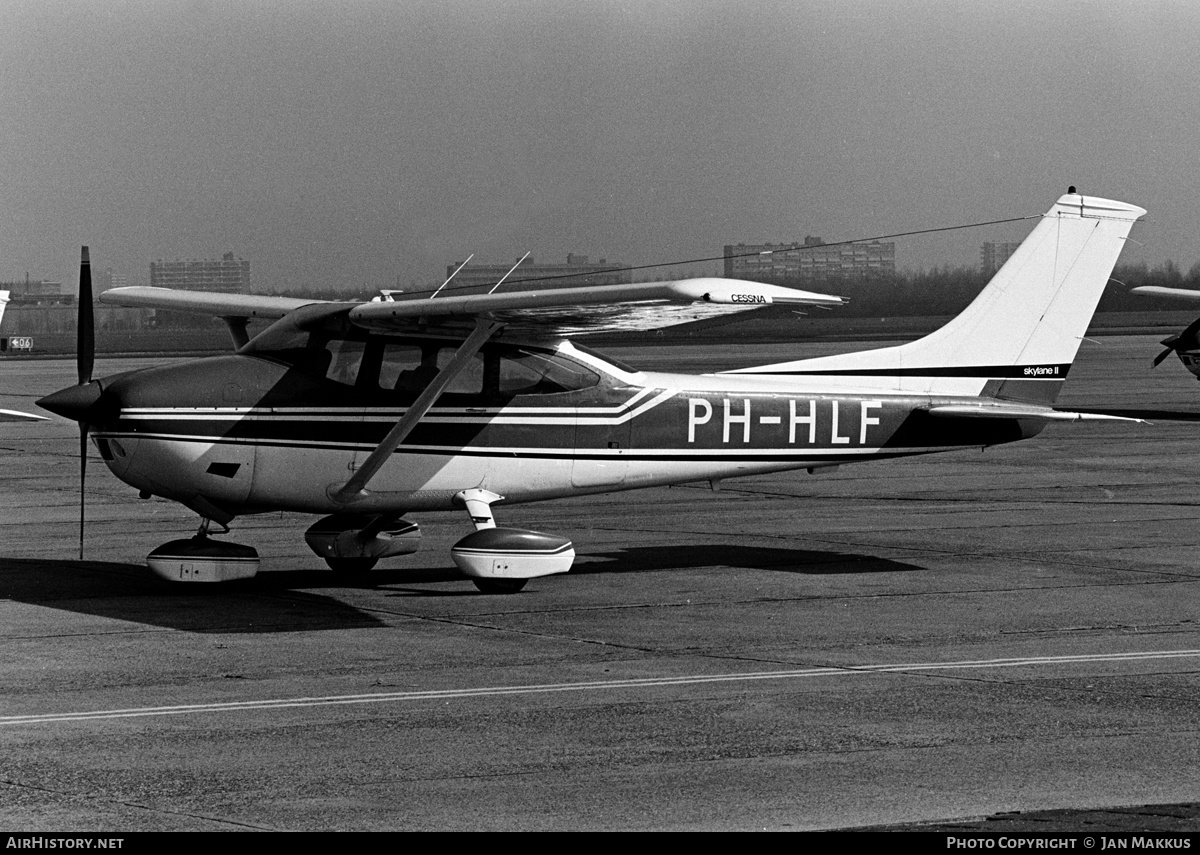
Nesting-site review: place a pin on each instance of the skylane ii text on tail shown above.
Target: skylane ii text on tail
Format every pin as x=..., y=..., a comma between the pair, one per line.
x=364, y=412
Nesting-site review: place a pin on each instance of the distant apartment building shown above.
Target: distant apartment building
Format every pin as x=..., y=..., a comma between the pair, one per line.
x=577, y=270
x=109, y=278
x=229, y=274
x=993, y=255
x=809, y=262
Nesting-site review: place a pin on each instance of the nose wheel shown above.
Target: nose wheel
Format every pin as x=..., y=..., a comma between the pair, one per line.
x=499, y=586
x=352, y=565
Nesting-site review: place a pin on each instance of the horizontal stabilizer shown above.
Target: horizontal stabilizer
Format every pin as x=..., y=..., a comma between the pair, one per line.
x=1006, y=410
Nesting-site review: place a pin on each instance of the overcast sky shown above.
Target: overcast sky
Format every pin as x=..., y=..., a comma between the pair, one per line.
x=359, y=141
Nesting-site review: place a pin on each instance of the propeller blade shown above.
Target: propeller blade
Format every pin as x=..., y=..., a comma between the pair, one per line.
x=85, y=358
x=85, y=327
x=83, y=456
x=1193, y=329
x=1189, y=339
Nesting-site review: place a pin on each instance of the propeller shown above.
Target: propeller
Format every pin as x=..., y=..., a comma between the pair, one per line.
x=1170, y=343
x=1189, y=339
x=80, y=402
x=85, y=360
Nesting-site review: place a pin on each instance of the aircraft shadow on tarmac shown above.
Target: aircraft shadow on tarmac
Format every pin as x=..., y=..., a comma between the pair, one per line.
x=283, y=601
x=270, y=602
x=639, y=559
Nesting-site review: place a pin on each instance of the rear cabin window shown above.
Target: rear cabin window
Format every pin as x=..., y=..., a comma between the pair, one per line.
x=345, y=360
x=407, y=367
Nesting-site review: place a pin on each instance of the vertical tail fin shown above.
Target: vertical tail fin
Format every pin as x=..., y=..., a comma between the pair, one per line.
x=1019, y=337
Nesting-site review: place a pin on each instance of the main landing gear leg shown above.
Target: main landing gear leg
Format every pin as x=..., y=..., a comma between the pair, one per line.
x=206, y=523
x=502, y=560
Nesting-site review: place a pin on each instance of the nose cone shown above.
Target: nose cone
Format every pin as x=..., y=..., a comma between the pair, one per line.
x=78, y=403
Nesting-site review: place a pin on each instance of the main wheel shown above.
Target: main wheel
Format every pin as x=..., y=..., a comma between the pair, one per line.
x=499, y=586
x=351, y=565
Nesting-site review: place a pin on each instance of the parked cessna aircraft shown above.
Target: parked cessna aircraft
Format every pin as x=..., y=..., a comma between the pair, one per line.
x=1187, y=343
x=364, y=412
x=13, y=415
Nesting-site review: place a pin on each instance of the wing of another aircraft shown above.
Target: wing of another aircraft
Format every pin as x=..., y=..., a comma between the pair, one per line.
x=1190, y=295
x=18, y=416
x=552, y=311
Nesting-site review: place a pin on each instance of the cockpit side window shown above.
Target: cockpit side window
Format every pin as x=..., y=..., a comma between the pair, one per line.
x=406, y=367
x=496, y=373
x=317, y=340
x=526, y=372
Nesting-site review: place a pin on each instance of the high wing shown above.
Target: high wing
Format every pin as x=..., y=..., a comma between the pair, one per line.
x=554, y=311
x=234, y=309
x=595, y=308
x=204, y=302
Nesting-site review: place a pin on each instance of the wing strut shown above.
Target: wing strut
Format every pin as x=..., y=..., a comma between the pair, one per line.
x=355, y=488
x=451, y=276
x=237, y=329
x=509, y=273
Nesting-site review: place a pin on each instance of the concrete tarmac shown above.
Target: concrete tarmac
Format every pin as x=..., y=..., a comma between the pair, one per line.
x=1013, y=632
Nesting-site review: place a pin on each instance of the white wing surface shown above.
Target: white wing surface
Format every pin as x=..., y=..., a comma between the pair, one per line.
x=204, y=302
x=552, y=311
x=593, y=308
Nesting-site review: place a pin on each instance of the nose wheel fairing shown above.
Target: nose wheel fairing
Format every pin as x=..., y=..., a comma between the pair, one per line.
x=201, y=559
